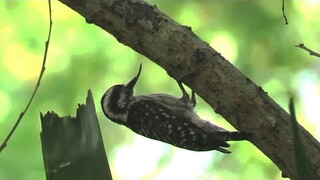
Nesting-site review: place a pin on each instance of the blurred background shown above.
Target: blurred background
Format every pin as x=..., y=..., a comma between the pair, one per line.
x=250, y=34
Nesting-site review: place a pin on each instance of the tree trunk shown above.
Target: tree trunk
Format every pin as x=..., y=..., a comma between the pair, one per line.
x=72, y=148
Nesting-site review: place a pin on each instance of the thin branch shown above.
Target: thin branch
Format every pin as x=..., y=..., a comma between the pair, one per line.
x=284, y=14
x=311, y=52
x=4, y=143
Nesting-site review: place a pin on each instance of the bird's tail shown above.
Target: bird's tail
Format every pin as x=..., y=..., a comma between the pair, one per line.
x=238, y=135
x=232, y=136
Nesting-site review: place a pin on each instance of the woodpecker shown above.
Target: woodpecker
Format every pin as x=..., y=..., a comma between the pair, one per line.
x=166, y=118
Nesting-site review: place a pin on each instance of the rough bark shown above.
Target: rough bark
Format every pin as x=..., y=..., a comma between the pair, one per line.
x=186, y=57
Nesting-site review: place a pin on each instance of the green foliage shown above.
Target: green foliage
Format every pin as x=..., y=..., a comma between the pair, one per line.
x=251, y=34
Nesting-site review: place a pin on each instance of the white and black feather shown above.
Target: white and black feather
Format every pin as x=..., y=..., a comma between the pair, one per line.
x=165, y=118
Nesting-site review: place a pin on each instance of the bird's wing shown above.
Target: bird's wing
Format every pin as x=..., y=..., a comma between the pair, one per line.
x=182, y=110
x=158, y=119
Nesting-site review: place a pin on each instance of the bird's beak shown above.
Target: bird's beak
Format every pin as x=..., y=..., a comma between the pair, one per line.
x=132, y=83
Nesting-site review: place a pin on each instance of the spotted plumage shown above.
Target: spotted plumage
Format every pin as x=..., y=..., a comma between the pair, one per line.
x=165, y=118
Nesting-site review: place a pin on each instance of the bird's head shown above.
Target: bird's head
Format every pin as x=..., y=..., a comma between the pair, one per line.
x=115, y=100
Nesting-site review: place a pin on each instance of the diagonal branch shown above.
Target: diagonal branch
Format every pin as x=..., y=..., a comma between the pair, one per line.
x=187, y=58
x=4, y=143
x=311, y=52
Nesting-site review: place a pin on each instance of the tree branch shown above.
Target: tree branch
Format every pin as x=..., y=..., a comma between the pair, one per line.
x=311, y=52
x=43, y=67
x=189, y=59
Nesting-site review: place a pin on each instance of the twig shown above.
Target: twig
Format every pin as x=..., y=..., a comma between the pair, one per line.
x=4, y=143
x=311, y=52
x=284, y=14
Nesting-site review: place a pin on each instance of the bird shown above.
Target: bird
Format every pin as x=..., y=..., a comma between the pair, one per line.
x=166, y=118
